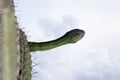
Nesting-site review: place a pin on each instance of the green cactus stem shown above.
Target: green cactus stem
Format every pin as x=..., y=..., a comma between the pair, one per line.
x=70, y=37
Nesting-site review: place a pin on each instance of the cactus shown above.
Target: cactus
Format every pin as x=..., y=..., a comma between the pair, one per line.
x=70, y=37
x=9, y=59
x=15, y=59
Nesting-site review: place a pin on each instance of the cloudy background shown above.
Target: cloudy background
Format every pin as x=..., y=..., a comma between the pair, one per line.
x=95, y=57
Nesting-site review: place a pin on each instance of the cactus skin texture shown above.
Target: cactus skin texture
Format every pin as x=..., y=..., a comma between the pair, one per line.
x=15, y=60
x=9, y=59
x=25, y=58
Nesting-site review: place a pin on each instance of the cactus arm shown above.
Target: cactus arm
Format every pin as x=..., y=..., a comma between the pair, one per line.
x=70, y=37
x=34, y=46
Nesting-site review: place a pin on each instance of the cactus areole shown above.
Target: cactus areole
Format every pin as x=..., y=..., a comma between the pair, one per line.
x=70, y=37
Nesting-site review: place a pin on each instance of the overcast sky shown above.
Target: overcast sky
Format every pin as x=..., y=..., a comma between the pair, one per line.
x=95, y=57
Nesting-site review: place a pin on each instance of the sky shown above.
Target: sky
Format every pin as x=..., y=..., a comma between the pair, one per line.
x=95, y=57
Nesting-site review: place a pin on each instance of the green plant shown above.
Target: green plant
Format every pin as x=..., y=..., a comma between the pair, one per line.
x=15, y=59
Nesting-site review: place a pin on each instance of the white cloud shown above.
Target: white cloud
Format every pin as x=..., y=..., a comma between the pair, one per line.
x=56, y=28
x=97, y=64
